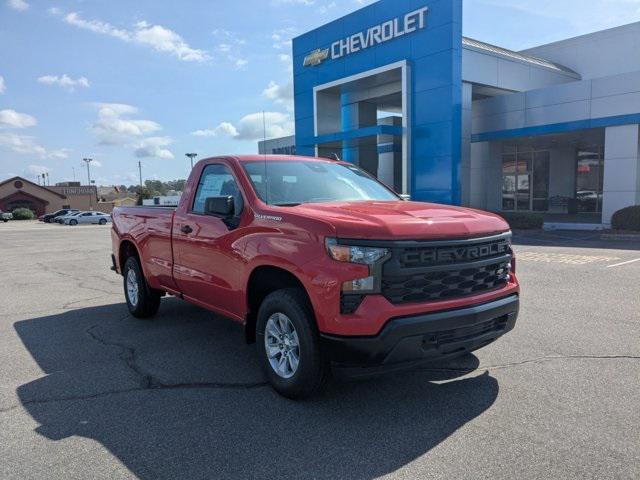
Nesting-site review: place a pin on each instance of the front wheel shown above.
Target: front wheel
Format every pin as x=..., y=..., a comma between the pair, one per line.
x=142, y=301
x=73, y=222
x=103, y=221
x=288, y=345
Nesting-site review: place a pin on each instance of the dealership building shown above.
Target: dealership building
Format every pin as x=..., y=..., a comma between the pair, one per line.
x=397, y=89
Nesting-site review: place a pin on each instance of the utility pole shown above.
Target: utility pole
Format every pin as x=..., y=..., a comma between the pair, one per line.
x=48, y=180
x=74, y=173
x=191, y=156
x=140, y=170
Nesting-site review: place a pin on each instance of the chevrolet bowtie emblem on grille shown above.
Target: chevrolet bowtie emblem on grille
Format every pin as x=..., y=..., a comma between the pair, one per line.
x=316, y=57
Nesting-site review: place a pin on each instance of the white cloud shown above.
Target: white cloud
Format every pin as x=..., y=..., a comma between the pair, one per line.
x=225, y=128
x=254, y=127
x=20, y=5
x=241, y=63
x=154, y=147
x=156, y=37
x=34, y=170
x=64, y=81
x=282, y=38
x=115, y=127
x=230, y=47
x=112, y=129
x=27, y=145
x=166, y=40
x=3, y=86
x=95, y=26
x=280, y=94
x=12, y=119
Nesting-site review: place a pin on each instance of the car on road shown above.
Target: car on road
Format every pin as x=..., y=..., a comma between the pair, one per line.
x=90, y=217
x=51, y=217
x=5, y=216
x=61, y=219
x=326, y=268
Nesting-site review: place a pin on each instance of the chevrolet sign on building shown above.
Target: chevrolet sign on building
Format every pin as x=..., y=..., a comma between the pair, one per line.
x=384, y=32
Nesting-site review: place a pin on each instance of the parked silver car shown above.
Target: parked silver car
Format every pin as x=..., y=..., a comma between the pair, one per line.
x=99, y=218
x=5, y=216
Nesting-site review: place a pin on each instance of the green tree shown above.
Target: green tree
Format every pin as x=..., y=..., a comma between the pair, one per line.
x=143, y=194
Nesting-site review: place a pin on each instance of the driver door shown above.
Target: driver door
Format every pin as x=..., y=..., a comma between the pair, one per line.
x=207, y=265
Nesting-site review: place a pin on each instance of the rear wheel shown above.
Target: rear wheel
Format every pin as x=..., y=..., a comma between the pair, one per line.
x=142, y=301
x=102, y=221
x=288, y=345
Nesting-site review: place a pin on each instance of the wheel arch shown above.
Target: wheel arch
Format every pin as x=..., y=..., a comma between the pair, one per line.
x=128, y=249
x=264, y=280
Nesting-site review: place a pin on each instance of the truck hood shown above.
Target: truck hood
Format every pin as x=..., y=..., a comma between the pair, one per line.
x=403, y=220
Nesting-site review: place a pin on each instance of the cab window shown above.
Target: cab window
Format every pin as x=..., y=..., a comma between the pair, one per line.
x=217, y=181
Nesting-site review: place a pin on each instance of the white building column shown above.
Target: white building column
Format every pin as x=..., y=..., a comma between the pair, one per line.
x=621, y=169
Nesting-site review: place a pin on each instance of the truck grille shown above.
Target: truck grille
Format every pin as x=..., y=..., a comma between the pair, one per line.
x=423, y=272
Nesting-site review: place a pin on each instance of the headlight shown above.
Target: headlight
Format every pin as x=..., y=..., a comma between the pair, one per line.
x=354, y=254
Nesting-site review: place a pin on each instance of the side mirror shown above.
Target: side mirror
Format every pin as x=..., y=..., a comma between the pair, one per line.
x=219, y=206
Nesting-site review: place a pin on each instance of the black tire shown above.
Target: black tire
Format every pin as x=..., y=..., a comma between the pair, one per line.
x=313, y=369
x=148, y=300
x=102, y=221
x=73, y=222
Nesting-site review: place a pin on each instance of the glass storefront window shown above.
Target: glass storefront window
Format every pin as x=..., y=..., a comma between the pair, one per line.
x=508, y=164
x=589, y=180
x=525, y=180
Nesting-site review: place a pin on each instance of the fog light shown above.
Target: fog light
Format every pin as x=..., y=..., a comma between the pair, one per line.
x=359, y=285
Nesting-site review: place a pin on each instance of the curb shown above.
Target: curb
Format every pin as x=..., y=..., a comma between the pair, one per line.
x=628, y=237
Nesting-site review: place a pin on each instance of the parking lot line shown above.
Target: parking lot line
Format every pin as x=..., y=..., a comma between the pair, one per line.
x=624, y=263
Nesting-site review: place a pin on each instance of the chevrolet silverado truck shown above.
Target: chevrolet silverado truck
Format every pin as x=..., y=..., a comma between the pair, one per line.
x=326, y=268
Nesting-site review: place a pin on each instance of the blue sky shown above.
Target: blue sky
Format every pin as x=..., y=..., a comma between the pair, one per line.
x=150, y=80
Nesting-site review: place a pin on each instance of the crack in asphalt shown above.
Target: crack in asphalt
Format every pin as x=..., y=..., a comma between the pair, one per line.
x=78, y=283
x=149, y=383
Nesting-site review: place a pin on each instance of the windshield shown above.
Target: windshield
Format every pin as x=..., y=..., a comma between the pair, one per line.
x=293, y=182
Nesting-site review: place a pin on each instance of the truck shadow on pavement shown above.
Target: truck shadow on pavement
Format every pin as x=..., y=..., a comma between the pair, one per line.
x=183, y=397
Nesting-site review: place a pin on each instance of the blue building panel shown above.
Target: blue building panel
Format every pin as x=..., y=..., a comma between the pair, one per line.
x=433, y=55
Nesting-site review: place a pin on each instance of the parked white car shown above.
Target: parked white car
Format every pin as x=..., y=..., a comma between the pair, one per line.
x=99, y=218
x=5, y=216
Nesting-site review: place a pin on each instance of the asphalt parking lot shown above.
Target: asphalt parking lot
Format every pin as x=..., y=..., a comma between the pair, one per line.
x=86, y=391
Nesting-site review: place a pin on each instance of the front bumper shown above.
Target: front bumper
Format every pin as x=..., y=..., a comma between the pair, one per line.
x=409, y=341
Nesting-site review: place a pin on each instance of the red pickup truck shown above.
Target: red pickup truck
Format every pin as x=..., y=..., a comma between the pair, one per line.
x=326, y=268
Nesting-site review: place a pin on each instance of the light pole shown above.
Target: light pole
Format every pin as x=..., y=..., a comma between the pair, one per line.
x=191, y=156
x=88, y=161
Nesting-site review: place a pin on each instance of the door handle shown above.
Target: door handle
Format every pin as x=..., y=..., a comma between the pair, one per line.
x=186, y=229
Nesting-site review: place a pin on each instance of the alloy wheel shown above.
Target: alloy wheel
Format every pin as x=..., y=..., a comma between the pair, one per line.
x=282, y=345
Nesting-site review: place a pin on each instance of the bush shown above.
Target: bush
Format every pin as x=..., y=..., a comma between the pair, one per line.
x=627, y=219
x=23, y=214
x=523, y=220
